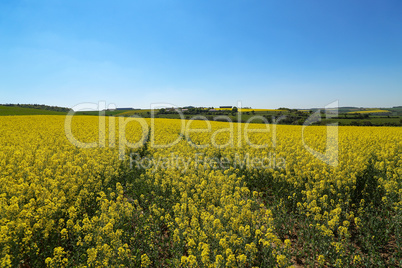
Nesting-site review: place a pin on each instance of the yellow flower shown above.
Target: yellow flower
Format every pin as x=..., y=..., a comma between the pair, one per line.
x=357, y=259
x=92, y=253
x=321, y=259
x=231, y=261
x=358, y=222
x=145, y=261
x=287, y=243
x=184, y=260
x=242, y=259
x=219, y=260
x=205, y=254
x=192, y=261
x=64, y=233
x=281, y=260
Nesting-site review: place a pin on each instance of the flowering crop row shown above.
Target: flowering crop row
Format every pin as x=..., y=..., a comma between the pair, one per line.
x=206, y=200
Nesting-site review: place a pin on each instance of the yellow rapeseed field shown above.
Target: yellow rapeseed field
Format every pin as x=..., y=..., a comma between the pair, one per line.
x=373, y=111
x=197, y=194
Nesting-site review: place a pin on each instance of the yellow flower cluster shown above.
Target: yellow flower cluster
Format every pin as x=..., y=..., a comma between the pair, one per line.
x=369, y=111
x=52, y=195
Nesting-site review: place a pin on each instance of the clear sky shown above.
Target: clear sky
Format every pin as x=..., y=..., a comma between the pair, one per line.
x=266, y=54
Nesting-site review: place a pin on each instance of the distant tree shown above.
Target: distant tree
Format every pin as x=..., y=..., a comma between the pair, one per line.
x=39, y=106
x=234, y=109
x=268, y=118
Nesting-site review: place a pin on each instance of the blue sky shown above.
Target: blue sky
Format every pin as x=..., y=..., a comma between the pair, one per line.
x=266, y=54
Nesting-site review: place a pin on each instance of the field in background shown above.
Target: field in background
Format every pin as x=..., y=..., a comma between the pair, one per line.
x=346, y=115
x=370, y=111
x=11, y=110
x=250, y=110
x=218, y=206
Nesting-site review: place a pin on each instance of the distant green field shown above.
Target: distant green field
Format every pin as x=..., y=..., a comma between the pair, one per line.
x=15, y=110
x=107, y=113
x=134, y=112
x=12, y=110
x=114, y=112
x=374, y=120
